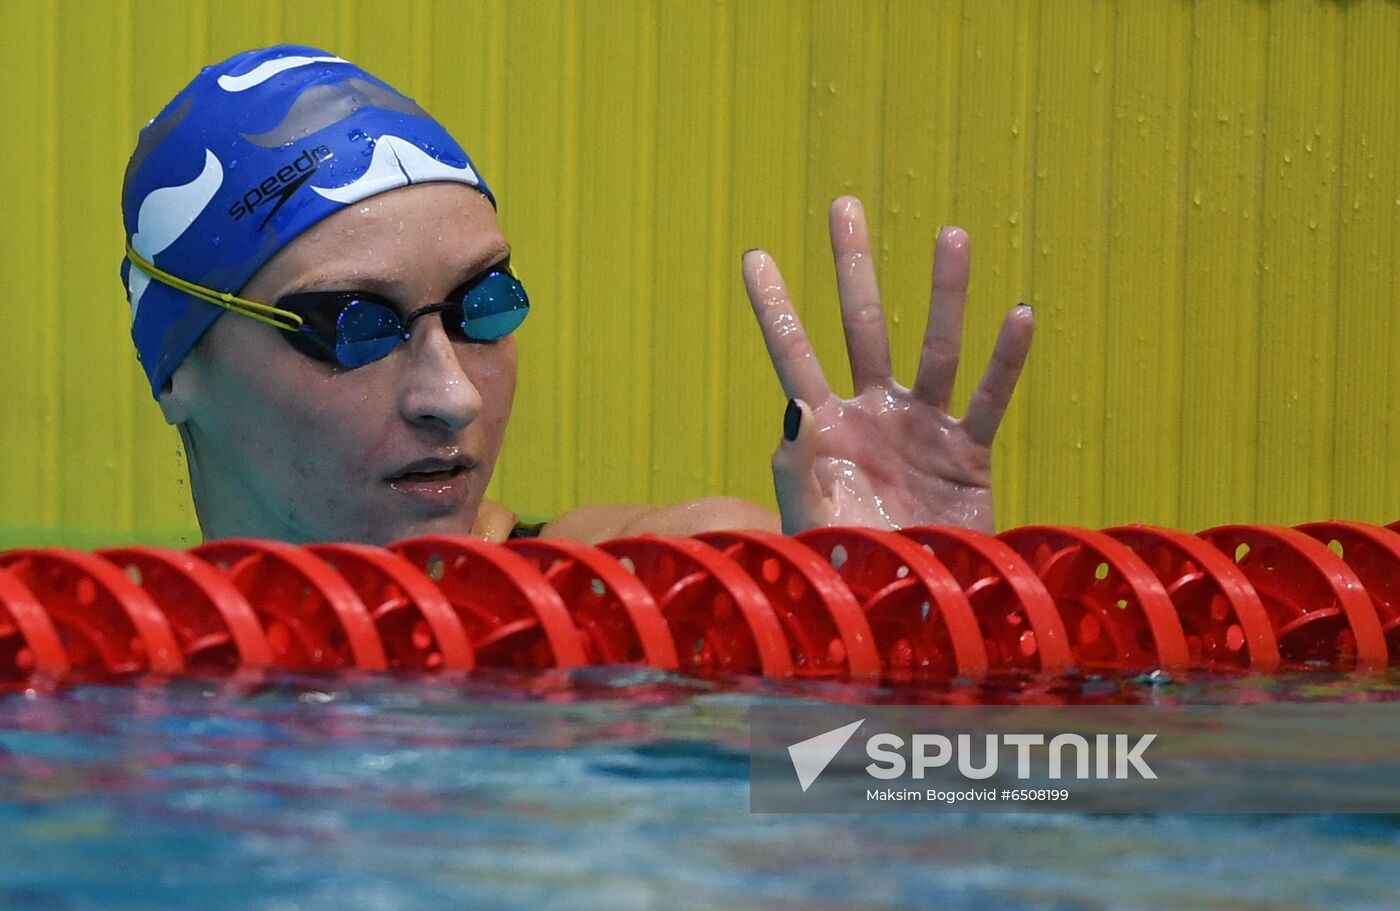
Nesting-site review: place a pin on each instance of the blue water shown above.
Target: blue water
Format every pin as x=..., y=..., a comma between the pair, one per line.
x=612, y=789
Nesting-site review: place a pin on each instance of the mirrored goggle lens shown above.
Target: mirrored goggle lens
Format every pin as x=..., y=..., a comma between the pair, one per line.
x=494, y=307
x=365, y=331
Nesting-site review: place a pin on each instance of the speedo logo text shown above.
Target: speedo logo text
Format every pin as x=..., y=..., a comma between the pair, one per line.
x=278, y=187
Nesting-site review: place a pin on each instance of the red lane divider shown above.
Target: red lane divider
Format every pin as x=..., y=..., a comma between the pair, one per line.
x=106, y=622
x=1226, y=625
x=512, y=617
x=413, y=618
x=923, y=625
x=29, y=643
x=719, y=619
x=1373, y=553
x=912, y=609
x=620, y=620
x=1319, y=610
x=313, y=619
x=216, y=628
x=1015, y=612
x=1116, y=612
x=829, y=633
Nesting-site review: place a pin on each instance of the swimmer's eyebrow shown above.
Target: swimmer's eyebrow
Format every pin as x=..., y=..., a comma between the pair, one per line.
x=390, y=288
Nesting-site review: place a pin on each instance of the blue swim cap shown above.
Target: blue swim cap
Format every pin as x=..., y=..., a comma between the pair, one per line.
x=250, y=154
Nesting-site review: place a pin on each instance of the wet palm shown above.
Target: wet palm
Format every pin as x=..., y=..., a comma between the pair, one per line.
x=891, y=457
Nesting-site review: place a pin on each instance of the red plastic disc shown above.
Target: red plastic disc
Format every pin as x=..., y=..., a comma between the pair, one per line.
x=1019, y=623
x=513, y=618
x=828, y=632
x=106, y=622
x=1117, y=614
x=29, y=643
x=1320, y=612
x=1373, y=553
x=213, y=622
x=619, y=619
x=923, y=625
x=1226, y=625
x=413, y=618
x=313, y=619
x=719, y=620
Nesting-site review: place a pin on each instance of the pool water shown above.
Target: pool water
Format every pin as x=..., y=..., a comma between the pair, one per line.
x=611, y=789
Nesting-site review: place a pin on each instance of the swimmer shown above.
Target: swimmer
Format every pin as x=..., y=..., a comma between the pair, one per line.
x=324, y=305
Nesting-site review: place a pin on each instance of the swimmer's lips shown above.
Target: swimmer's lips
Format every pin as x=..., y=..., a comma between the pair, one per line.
x=434, y=482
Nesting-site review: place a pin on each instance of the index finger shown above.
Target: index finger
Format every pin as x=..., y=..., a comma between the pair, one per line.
x=793, y=359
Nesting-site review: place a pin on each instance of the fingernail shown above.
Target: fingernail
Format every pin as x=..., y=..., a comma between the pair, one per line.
x=1026, y=305
x=792, y=421
x=750, y=250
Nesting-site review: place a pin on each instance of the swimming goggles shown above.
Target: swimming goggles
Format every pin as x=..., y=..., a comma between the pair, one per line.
x=354, y=328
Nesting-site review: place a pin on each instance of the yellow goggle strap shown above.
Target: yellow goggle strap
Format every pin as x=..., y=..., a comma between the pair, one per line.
x=263, y=313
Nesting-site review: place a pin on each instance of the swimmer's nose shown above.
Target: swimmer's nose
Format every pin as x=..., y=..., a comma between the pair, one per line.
x=436, y=390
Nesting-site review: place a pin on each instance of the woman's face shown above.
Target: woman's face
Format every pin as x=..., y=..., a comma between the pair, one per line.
x=283, y=446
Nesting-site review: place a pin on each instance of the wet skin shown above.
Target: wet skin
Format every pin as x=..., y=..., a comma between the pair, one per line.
x=890, y=457
x=283, y=446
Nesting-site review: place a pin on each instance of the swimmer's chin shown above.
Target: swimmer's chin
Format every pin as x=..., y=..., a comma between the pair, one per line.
x=415, y=515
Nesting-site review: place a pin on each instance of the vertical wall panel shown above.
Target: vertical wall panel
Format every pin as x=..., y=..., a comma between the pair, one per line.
x=1073, y=81
x=95, y=375
x=1220, y=332
x=614, y=403
x=1200, y=198
x=29, y=270
x=1367, y=430
x=1142, y=300
x=1297, y=291
x=1384, y=185
x=683, y=385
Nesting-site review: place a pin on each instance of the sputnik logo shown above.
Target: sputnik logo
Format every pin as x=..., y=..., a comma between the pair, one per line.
x=811, y=756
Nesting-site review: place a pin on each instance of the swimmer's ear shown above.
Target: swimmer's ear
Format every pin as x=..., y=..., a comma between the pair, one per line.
x=175, y=399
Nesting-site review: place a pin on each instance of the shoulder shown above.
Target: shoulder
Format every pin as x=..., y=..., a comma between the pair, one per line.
x=494, y=523
x=592, y=524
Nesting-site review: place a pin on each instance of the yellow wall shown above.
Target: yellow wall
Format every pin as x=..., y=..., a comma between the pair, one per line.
x=1201, y=200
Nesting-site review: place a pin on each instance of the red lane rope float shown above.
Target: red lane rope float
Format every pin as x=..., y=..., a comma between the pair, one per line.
x=412, y=617
x=619, y=619
x=313, y=619
x=106, y=623
x=823, y=622
x=216, y=628
x=512, y=616
x=1226, y=625
x=923, y=625
x=1319, y=610
x=29, y=643
x=1373, y=553
x=1015, y=612
x=1116, y=612
x=719, y=619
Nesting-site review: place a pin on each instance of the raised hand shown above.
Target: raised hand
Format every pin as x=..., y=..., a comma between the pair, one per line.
x=891, y=457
